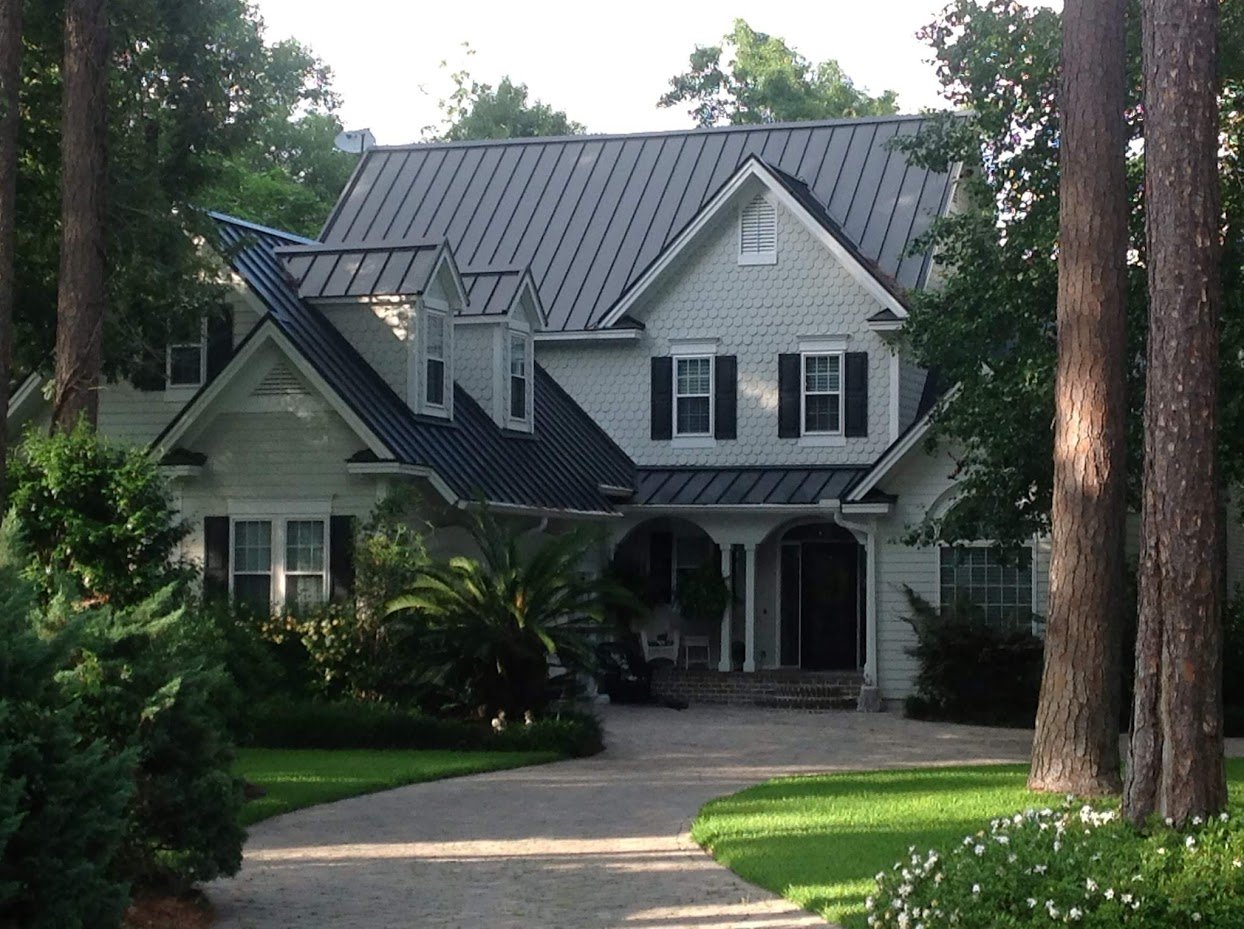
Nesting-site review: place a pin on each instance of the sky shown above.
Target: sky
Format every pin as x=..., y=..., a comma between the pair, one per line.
x=605, y=64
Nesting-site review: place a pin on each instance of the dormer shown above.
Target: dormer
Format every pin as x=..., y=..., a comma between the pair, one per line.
x=495, y=352
x=396, y=302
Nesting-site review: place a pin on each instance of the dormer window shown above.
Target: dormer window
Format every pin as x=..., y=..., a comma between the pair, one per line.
x=186, y=364
x=434, y=386
x=520, y=378
x=758, y=232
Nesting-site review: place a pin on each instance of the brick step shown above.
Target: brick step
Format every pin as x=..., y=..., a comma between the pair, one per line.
x=844, y=702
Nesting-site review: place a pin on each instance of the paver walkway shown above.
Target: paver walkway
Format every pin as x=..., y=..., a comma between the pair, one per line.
x=599, y=843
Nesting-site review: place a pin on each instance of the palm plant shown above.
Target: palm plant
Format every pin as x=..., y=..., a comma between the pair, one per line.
x=486, y=630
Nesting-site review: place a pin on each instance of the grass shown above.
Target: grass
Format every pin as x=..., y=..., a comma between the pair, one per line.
x=297, y=778
x=819, y=840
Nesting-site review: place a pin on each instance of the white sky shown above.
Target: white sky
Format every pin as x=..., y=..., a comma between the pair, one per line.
x=605, y=64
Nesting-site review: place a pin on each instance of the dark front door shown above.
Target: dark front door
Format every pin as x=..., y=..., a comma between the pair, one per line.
x=830, y=608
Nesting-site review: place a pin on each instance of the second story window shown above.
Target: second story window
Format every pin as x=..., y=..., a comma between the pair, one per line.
x=434, y=359
x=822, y=394
x=186, y=364
x=520, y=376
x=693, y=396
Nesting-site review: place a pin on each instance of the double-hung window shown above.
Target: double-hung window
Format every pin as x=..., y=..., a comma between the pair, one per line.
x=693, y=395
x=185, y=364
x=520, y=376
x=434, y=359
x=822, y=393
x=279, y=561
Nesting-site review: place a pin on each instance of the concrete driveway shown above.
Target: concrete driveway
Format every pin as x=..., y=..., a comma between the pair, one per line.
x=599, y=843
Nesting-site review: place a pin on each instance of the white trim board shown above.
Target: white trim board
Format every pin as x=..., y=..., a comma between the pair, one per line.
x=753, y=168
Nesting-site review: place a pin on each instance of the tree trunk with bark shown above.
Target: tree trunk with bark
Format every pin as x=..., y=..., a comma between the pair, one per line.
x=1176, y=759
x=82, y=297
x=1076, y=749
x=10, y=85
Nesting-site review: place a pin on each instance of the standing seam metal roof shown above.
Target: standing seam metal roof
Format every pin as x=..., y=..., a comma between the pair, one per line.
x=561, y=466
x=742, y=486
x=589, y=214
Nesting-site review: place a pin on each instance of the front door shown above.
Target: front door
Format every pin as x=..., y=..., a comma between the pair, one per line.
x=829, y=625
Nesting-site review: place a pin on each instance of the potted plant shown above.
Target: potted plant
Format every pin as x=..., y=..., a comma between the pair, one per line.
x=703, y=594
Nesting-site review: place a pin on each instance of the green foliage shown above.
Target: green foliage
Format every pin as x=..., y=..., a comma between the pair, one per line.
x=704, y=594
x=62, y=798
x=484, y=630
x=1074, y=864
x=352, y=724
x=149, y=681
x=991, y=326
x=767, y=81
x=971, y=670
x=96, y=512
x=196, y=99
x=475, y=110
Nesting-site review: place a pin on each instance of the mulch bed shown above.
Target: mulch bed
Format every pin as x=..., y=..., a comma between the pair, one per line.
x=154, y=911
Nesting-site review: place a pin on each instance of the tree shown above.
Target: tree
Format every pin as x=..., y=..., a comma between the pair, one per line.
x=82, y=290
x=1076, y=747
x=764, y=80
x=481, y=111
x=1176, y=760
x=10, y=82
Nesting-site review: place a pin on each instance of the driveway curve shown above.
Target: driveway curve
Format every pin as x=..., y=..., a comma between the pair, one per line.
x=597, y=843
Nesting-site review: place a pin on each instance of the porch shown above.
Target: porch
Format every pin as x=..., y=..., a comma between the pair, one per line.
x=786, y=688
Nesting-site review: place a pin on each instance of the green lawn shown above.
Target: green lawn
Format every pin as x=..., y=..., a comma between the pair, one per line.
x=820, y=840
x=295, y=778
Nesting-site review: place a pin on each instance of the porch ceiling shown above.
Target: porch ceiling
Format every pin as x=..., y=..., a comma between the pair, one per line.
x=741, y=486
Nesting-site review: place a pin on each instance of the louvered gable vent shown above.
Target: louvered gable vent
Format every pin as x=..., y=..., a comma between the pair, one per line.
x=280, y=382
x=758, y=232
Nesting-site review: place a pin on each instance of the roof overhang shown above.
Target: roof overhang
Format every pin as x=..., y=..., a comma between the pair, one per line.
x=752, y=170
x=592, y=335
x=897, y=451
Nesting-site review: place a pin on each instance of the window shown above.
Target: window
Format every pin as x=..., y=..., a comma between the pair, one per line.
x=520, y=359
x=758, y=232
x=277, y=561
x=693, y=396
x=999, y=582
x=822, y=394
x=690, y=554
x=186, y=363
x=434, y=359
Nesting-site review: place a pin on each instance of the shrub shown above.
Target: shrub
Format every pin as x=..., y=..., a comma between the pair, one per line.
x=353, y=724
x=149, y=681
x=62, y=799
x=484, y=632
x=97, y=512
x=971, y=670
x=1074, y=865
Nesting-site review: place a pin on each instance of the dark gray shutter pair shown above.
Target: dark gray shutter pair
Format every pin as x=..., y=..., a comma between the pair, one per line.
x=216, y=557
x=725, y=397
x=150, y=373
x=855, y=399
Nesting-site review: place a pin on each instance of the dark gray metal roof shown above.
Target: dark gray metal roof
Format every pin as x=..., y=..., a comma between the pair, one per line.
x=491, y=292
x=359, y=270
x=589, y=214
x=561, y=466
x=742, y=486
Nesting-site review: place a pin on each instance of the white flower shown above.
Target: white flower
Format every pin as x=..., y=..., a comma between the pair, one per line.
x=1236, y=863
x=1223, y=817
x=1126, y=898
x=1161, y=851
x=976, y=888
x=1169, y=821
x=1196, y=821
x=1040, y=868
x=1075, y=912
x=1090, y=885
x=1196, y=917
x=980, y=850
x=1109, y=894
x=1032, y=903
x=1190, y=841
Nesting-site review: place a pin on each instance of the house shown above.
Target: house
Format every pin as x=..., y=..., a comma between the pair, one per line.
x=689, y=337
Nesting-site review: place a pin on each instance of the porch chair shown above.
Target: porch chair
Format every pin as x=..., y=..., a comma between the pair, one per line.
x=656, y=648
x=698, y=643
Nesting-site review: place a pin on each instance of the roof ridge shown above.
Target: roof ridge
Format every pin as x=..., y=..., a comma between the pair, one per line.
x=259, y=227
x=654, y=133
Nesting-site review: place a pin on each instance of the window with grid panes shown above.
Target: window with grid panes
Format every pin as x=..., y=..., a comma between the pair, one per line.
x=996, y=581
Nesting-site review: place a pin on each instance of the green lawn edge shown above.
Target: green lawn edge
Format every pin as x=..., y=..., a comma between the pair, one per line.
x=819, y=840
x=299, y=778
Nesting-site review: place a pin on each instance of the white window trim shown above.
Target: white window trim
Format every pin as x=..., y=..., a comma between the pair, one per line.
x=279, y=521
x=185, y=391
x=444, y=409
x=836, y=436
x=527, y=421
x=695, y=439
x=757, y=258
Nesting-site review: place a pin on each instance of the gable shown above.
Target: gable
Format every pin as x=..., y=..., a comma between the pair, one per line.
x=588, y=215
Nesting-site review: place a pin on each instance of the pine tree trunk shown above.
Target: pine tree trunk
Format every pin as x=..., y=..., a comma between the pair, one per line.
x=1176, y=759
x=1076, y=748
x=81, y=298
x=10, y=84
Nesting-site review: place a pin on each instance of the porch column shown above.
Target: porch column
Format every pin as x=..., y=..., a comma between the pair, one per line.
x=724, y=663
x=749, y=604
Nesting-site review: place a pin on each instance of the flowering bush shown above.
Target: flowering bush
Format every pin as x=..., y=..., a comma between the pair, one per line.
x=1074, y=865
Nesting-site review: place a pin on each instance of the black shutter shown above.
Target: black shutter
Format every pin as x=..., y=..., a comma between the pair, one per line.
x=725, y=401
x=215, y=556
x=149, y=372
x=660, y=567
x=341, y=557
x=662, y=398
x=219, y=341
x=788, y=395
x=856, y=404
